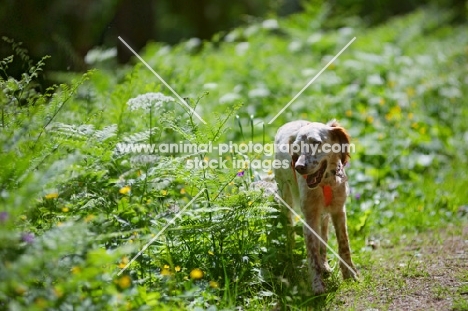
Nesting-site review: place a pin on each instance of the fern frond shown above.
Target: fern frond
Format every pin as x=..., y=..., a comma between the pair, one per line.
x=141, y=136
x=77, y=131
x=106, y=133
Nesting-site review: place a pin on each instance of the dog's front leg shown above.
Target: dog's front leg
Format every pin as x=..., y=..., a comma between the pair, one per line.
x=313, y=218
x=323, y=249
x=339, y=222
x=286, y=194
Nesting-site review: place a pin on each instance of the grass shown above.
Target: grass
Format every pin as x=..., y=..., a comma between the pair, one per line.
x=75, y=209
x=424, y=269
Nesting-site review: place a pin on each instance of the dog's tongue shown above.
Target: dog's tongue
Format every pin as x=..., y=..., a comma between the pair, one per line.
x=311, y=180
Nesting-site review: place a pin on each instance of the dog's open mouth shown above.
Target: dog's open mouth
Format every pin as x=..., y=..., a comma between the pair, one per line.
x=314, y=179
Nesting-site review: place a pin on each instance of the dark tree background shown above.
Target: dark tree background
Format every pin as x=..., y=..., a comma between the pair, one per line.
x=68, y=29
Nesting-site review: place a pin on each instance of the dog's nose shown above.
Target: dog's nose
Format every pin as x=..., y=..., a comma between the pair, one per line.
x=300, y=168
x=300, y=165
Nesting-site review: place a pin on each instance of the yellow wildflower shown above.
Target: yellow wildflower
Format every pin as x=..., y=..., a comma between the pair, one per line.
x=123, y=261
x=165, y=271
x=52, y=195
x=41, y=302
x=124, y=282
x=196, y=274
x=58, y=292
x=182, y=191
x=394, y=113
x=75, y=270
x=65, y=209
x=214, y=284
x=20, y=290
x=177, y=268
x=125, y=190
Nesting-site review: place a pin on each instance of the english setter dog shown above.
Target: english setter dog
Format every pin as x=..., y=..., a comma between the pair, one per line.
x=316, y=183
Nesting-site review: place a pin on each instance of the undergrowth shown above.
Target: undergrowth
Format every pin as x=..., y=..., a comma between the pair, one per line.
x=77, y=209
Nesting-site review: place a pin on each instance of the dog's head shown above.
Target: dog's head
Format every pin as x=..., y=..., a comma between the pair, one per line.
x=320, y=152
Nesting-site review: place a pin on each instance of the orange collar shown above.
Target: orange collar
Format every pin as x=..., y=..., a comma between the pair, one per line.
x=327, y=194
x=326, y=189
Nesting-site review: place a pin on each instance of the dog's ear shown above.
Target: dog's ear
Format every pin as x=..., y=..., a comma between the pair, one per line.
x=333, y=123
x=294, y=156
x=339, y=135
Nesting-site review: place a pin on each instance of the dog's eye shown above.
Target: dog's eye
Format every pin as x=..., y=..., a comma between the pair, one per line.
x=315, y=142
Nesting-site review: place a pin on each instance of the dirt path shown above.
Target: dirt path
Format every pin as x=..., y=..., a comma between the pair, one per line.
x=419, y=272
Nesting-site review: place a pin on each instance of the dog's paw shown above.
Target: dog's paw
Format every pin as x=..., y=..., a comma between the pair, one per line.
x=348, y=275
x=318, y=286
x=326, y=270
x=319, y=290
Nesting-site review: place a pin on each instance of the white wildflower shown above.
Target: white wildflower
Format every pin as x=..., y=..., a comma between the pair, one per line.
x=270, y=24
x=375, y=79
x=261, y=91
x=295, y=46
x=98, y=55
x=210, y=86
x=314, y=38
x=148, y=101
x=241, y=48
x=229, y=98
x=308, y=72
x=192, y=44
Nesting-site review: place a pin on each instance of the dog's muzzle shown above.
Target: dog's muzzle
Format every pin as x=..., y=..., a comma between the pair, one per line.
x=314, y=179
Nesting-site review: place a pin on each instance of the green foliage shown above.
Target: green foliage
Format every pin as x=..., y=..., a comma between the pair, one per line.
x=88, y=224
